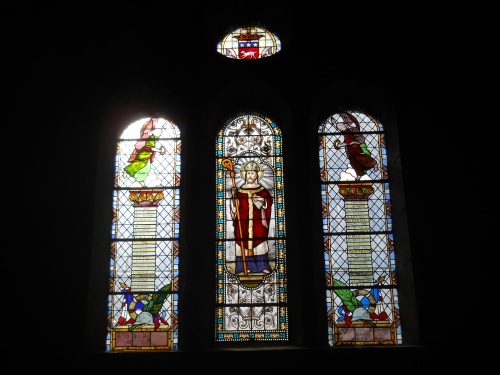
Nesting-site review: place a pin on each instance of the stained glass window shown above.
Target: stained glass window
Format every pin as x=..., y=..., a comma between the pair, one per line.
x=251, y=290
x=249, y=43
x=359, y=249
x=145, y=230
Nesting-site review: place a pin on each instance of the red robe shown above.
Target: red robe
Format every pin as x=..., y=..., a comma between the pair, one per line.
x=254, y=221
x=359, y=160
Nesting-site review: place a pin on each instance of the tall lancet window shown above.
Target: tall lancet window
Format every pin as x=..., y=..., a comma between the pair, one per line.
x=145, y=230
x=250, y=231
x=359, y=247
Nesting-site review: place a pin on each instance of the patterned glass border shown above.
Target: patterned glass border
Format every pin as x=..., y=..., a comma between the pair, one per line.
x=251, y=298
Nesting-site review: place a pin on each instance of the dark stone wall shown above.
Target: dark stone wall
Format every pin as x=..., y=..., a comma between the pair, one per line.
x=77, y=72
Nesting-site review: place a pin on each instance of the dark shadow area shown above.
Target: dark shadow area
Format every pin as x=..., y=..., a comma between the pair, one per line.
x=72, y=66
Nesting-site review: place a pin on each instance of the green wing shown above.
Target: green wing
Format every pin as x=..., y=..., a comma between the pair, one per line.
x=349, y=299
x=156, y=302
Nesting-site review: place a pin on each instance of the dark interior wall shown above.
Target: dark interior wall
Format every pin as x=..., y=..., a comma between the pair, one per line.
x=72, y=67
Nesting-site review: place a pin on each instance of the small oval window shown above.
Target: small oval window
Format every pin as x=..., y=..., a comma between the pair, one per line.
x=249, y=43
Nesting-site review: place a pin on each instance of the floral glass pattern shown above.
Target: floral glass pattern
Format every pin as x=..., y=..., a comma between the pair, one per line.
x=251, y=292
x=143, y=312
x=359, y=250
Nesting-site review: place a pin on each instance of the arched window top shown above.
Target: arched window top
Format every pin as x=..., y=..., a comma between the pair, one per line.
x=358, y=119
x=249, y=131
x=157, y=125
x=150, y=147
x=363, y=135
x=249, y=43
